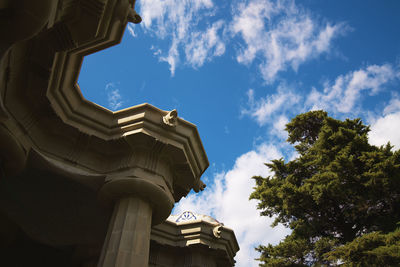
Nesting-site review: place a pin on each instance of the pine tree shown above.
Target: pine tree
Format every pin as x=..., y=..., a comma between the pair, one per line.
x=340, y=197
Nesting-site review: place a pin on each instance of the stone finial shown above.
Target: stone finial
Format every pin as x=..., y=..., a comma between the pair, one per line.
x=134, y=17
x=202, y=185
x=199, y=186
x=171, y=119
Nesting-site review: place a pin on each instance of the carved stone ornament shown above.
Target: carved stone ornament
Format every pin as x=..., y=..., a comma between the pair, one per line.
x=217, y=230
x=186, y=216
x=132, y=15
x=171, y=119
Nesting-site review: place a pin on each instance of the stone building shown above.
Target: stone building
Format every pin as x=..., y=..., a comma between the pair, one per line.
x=81, y=185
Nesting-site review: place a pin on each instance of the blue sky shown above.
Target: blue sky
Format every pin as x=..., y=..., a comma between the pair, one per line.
x=240, y=70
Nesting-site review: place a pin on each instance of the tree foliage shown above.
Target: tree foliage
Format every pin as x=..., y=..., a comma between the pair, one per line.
x=340, y=196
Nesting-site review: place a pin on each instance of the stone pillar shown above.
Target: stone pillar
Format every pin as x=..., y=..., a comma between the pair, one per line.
x=128, y=239
x=138, y=204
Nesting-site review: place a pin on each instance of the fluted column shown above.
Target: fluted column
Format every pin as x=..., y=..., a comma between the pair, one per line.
x=128, y=239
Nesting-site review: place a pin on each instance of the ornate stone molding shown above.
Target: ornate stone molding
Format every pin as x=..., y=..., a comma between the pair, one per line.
x=217, y=230
x=171, y=119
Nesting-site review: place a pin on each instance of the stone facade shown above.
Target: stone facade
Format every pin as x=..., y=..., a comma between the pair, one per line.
x=81, y=185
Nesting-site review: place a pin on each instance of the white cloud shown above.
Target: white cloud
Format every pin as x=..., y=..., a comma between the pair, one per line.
x=387, y=127
x=163, y=13
x=228, y=201
x=131, y=29
x=172, y=58
x=342, y=96
x=114, y=98
x=393, y=106
x=179, y=21
x=156, y=51
x=205, y=45
x=264, y=109
x=226, y=130
x=280, y=34
x=278, y=127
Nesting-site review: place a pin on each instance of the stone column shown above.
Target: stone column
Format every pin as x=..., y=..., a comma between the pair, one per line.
x=138, y=204
x=128, y=239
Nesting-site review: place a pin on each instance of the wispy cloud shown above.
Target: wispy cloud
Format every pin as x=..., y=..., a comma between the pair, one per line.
x=181, y=23
x=279, y=125
x=341, y=97
x=280, y=35
x=393, y=106
x=114, y=98
x=264, y=110
x=343, y=94
x=131, y=29
x=228, y=201
x=226, y=130
x=203, y=46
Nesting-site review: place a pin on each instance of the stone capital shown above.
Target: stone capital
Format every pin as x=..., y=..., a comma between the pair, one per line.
x=149, y=190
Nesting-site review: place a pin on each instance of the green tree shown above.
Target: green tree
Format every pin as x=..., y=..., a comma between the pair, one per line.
x=340, y=197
